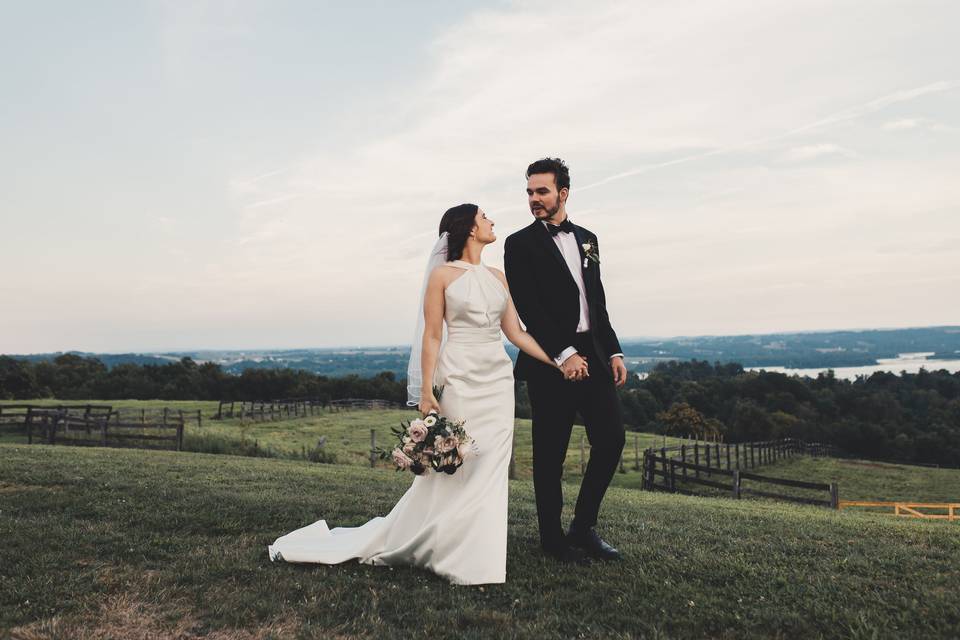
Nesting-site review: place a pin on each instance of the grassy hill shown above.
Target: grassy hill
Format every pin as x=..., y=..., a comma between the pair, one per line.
x=347, y=434
x=127, y=543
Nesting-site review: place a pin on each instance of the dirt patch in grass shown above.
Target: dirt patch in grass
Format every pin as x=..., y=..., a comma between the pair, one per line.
x=8, y=487
x=129, y=616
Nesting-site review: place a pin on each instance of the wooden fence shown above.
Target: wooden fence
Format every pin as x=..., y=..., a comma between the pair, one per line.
x=53, y=426
x=944, y=510
x=675, y=474
x=348, y=404
x=162, y=415
x=17, y=415
x=269, y=410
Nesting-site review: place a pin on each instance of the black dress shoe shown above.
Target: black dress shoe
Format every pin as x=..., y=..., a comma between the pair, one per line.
x=592, y=544
x=567, y=555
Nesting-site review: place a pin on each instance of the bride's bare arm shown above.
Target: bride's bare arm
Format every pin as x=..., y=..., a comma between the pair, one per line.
x=510, y=323
x=432, y=336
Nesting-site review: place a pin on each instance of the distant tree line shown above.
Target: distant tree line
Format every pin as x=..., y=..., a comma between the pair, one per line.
x=73, y=377
x=908, y=417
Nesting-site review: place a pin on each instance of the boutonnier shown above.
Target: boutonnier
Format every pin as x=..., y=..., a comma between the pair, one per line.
x=590, y=253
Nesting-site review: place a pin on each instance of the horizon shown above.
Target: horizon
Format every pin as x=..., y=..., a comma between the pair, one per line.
x=624, y=340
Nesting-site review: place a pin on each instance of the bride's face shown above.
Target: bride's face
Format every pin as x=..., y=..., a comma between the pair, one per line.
x=483, y=231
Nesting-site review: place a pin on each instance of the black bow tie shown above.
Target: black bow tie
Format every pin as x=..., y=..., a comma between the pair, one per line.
x=566, y=225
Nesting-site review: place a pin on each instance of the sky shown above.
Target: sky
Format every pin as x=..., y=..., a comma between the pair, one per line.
x=251, y=175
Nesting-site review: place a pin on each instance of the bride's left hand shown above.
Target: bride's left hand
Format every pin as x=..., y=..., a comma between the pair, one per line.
x=428, y=403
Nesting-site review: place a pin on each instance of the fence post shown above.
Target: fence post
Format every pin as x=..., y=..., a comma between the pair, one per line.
x=636, y=452
x=683, y=458
x=29, y=423
x=647, y=484
x=199, y=419
x=728, y=456
x=736, y=484
x=180, y=435
x=103, y=431
x=512, y=471
x=663, y=455
x=708, y=459
x=834, y=496
x=673, y=477
x=736, y=451
x=696, y=458
x=373, y=446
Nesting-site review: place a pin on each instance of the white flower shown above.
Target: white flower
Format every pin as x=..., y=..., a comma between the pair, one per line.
x=430, y=420
x=586, y=246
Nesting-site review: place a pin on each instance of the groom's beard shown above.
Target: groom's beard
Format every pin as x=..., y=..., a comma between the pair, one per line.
x=551, y=211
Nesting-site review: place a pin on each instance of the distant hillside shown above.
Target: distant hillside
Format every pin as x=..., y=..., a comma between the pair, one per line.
x=802, y=350
x=796, y=350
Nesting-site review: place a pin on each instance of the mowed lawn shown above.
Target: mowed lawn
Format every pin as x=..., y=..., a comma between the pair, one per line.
x=133, y=544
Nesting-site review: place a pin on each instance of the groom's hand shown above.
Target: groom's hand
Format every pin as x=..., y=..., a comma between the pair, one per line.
x=574, y=368
x=619, y=370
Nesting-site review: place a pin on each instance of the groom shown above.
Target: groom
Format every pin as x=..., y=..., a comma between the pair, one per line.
x=553, y=269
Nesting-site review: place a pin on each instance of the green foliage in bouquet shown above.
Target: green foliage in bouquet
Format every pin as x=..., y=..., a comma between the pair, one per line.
x=433, y=442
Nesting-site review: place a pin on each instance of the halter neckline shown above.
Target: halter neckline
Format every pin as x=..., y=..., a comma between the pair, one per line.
x=465, y=265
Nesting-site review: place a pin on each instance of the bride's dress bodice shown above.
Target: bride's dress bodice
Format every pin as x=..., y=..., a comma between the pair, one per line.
x=475, y=302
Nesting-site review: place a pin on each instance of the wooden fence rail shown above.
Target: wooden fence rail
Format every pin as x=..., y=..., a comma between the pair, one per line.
x=676, y=471
x=60, y=427
x=272, y=410
x=950, y=510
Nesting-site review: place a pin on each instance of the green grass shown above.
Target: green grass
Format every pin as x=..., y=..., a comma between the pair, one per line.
x=873, y=481
x=348, y=436
x=127, y=543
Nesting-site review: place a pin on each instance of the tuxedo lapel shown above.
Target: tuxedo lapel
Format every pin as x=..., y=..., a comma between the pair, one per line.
x=588, y=271
x=544, y=237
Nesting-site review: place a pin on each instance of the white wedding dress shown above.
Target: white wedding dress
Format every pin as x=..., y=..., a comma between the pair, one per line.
x=454, y=525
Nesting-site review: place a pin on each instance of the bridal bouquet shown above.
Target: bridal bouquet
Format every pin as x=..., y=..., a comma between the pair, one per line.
x=433, y=442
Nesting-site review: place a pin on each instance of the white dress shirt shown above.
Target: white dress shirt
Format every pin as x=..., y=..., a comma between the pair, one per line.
x=567, y=243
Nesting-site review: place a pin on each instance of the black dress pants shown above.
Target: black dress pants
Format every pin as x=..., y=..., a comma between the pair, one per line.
x=554, y=402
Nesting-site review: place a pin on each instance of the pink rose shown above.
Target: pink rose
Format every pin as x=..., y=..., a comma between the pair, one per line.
x=417, y=431
x=447, y=444
x=401, y=459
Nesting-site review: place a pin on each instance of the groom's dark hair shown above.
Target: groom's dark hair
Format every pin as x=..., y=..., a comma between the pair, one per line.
x=458, y=222
x=556, y=166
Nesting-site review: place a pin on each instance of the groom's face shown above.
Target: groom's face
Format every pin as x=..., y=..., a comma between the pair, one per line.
x=542, y=196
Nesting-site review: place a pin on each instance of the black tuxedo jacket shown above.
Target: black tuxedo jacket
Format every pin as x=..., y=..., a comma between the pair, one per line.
x=548, y=300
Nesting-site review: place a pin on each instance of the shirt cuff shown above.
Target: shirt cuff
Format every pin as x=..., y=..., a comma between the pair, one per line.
x=616, y=355
x=566, y=353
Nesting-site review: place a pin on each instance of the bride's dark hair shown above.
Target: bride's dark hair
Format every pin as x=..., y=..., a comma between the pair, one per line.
x=458, y=221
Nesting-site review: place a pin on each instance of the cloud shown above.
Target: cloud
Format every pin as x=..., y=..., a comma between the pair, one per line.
x=810, y=152
x=926, y=124
x=902, y=124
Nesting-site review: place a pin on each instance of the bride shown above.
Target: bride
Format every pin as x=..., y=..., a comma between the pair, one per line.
x=454, y=525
